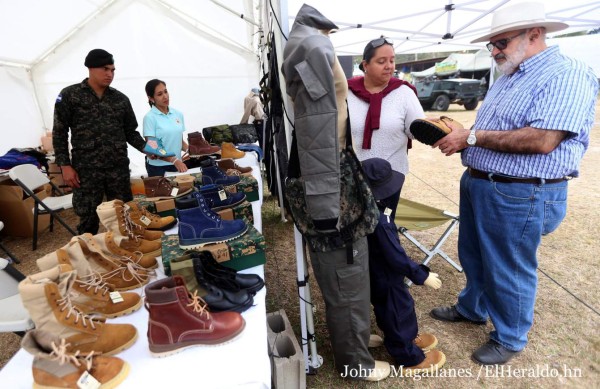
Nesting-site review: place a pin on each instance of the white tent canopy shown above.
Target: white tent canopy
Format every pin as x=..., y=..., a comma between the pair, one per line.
x=207, y=56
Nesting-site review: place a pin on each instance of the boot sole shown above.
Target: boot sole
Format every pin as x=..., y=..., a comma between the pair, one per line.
x=429, y=370
x=204, y=155
x=157, y=351
x=204, y=242
x=123, y=312
x=427, y=133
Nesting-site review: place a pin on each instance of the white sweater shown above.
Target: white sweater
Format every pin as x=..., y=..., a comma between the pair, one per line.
x=398, y=110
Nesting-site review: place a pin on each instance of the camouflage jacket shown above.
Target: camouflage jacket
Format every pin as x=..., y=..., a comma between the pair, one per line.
x=100, y=127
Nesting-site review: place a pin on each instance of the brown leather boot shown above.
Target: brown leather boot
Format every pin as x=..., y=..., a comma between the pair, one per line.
x=127, y=250
x=178, y=320
x=140, y=215
x=55, y=367
x=93, y=263
x=198, y=146
x=46, y=296
x=228, y=163
x=228, y=150
x=161, y=187
x=115, y=218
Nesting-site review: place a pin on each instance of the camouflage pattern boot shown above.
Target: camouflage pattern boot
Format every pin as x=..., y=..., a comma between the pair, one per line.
x=178, y=320
x=140, y=216
x=115, y=218
x=46, y=296
x=55, y=367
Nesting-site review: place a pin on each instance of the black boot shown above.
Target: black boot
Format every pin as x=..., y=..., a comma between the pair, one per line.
x=227, y=278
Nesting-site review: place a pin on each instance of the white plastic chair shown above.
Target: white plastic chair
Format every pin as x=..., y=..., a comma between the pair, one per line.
x=10, y=255
x=13, y=315
x=30, y=178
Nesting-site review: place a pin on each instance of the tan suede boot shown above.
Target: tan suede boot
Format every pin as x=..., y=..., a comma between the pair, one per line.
x=124, y=249
x=91, y=262
x=117, y=271
x=139, y=215
x=228, y=150
x=115, y=218
x=45, y=295
x=94, y=297
x=434, y=360
x=55, y=367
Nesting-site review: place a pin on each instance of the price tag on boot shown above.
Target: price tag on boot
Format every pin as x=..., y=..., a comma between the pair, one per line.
x=87, y=381
x=222, y=195
x=145, y=220
x=174, y=192
x=116, y=297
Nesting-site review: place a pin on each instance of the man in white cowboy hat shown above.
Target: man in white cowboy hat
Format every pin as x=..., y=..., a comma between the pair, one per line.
x=527, y=141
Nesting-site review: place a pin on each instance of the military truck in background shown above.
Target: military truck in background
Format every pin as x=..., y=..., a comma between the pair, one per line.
x=437, y=95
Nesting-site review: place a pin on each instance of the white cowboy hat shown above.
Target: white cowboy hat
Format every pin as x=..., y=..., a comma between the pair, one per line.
x=518, y=17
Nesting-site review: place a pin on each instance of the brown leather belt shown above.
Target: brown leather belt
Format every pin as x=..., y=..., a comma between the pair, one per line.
x=511, y=180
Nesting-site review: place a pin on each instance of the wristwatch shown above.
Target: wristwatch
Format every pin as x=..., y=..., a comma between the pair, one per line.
x=472, y=139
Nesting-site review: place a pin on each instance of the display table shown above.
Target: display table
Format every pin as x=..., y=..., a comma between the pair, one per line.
x=242, y=363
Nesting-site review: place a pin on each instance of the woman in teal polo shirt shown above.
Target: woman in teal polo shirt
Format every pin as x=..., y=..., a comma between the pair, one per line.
x=165, y=124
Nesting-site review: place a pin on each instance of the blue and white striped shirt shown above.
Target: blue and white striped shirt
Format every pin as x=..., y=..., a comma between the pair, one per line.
x=549, y=91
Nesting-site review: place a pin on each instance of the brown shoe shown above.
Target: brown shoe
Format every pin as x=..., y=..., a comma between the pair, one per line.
x=55, y=367
x=93, y=296
x=46, y=296
x=178, y=320
x=228, y=163
x=129, y=250
x=162, y=187
x=425, y=341
x=434, y=360
x=228, y=150
x=141, y=216
x=198, y=146
x=115, y=218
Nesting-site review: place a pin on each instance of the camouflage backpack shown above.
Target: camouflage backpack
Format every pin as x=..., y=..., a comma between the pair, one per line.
x=359, y=214
x=217, y=134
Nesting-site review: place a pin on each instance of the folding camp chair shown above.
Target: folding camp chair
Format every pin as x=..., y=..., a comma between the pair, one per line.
x=10, y=255
x=29, y=178
x=414, y=216
x=13, y=315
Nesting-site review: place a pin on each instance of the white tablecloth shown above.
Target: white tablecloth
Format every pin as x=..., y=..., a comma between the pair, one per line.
x=243, y=363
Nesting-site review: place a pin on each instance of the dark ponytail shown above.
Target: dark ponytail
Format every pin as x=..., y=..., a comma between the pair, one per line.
x=151, y=87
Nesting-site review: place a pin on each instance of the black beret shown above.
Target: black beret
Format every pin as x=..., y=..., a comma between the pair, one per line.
x=98, y=58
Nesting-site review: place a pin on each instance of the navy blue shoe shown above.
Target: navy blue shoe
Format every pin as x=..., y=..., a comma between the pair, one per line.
x=218, y=198
x=200, y=226
x=214, y=175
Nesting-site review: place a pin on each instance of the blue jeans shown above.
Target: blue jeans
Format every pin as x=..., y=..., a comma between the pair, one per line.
x=501, y=225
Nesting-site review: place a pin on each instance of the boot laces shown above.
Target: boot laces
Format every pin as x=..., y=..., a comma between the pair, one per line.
x=94, y=280
x=148, y=214
x=65, y=304
x=62, y=355
x=197, y=304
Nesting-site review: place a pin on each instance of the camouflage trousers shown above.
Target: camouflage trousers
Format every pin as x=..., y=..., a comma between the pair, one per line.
x=346, y=291
x=95, y=184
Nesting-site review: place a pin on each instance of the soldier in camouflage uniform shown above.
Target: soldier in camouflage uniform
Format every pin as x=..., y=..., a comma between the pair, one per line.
x=102, y=122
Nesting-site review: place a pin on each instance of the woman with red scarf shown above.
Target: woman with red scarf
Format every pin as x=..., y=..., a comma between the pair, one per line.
x=381, y=110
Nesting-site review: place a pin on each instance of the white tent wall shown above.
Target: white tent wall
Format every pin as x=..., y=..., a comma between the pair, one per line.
x=206, y=55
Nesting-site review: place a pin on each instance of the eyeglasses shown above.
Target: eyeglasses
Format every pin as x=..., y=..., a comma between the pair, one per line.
x=502, y=44
x=375, y=43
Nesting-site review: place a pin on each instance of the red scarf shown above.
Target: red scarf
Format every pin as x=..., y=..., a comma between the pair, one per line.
x=357, y=86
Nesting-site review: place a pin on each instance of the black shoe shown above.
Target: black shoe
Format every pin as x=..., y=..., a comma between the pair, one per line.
x=451, y=314
x=227, y=278
x=217, y=299
x=493, y=353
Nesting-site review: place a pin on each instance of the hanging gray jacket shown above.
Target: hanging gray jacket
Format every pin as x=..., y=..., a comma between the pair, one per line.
x=308, y=60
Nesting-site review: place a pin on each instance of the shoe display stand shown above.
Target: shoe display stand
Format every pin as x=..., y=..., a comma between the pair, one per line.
x=241, y=363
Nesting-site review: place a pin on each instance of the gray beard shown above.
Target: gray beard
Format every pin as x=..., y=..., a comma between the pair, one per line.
x=514, y=60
